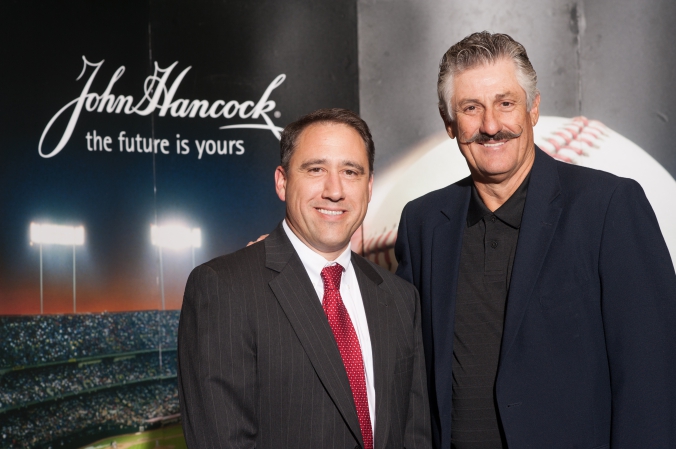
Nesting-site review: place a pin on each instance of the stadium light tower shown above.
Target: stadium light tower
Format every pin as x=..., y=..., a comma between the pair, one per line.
x=174, y=237
x=49, y=234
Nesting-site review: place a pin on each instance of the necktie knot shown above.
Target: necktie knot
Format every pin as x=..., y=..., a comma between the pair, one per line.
x=331, y=276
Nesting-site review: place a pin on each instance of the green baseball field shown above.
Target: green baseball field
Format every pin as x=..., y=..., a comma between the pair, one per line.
x=165, y=438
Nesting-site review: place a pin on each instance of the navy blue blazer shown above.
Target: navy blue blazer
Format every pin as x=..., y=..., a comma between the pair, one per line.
x=588, y=356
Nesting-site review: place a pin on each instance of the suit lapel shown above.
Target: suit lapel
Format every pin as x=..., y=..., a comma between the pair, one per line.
x=446, y=249
x=540, y=217
x=383, y=347
x=298, y=299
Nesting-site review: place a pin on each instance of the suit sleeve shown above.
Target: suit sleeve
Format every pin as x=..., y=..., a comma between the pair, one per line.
x=216, y=366
x=402, y=250
x=639, y=316
x=418, y=424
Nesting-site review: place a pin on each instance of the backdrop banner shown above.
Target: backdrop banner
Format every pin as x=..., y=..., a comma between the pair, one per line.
x=138, y=140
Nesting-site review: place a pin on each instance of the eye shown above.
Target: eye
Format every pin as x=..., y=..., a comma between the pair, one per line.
x=314, y=170
x=350, y=172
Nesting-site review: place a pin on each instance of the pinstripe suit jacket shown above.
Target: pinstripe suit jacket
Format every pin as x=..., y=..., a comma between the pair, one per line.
x=259, y=366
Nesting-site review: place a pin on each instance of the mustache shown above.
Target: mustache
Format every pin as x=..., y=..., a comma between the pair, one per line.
x=481, y=137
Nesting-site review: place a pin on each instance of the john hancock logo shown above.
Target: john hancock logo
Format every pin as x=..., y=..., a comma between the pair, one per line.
x=159, y=96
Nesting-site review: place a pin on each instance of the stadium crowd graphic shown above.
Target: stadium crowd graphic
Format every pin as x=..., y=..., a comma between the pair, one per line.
x=19, y=387
x=124, y=407
x=32, y=340
x=62, y=376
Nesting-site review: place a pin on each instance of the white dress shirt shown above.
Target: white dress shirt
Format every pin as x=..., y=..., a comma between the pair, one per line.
x=351, y=295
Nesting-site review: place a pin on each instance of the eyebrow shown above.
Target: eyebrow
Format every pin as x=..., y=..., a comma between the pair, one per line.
x=474, y=100
x=311, y=162
x=355, y=165
x=346, y=163
x=468, y=100
x=506, y=94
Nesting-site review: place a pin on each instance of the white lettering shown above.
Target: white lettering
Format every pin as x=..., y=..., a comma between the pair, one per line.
x=107, y=97
x=121, y=138
x=156, y=96
x=242, y=109
x=212, y=109
x=227, y=112
x=149, y=88
x=74, y=116
x=200, y=148
x=240, y=145
x=172, y=91
x=201, y=105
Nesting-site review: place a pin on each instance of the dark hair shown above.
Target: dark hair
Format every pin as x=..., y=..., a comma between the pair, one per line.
x=290, y=134
x=484, y=48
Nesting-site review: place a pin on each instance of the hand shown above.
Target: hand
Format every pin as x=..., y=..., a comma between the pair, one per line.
x=262, y=237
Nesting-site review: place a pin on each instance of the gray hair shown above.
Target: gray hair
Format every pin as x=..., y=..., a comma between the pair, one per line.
x=479, y=49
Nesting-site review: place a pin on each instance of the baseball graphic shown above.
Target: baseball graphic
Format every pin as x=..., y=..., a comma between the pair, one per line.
x=437, y=162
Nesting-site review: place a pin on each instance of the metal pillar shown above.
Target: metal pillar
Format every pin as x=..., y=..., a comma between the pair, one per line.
x=41, y=290
x=161, y=277
x=74, y=302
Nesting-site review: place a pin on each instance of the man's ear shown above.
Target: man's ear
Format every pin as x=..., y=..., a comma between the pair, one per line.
x=370, y=186
x=448, y=124
x=535, y=110
x=450, y=130
x=280, y=183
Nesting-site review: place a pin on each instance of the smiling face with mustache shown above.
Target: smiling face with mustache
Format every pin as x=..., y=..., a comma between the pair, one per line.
x=492, y=123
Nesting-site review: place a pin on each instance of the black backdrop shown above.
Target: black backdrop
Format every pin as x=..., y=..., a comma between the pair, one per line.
x=235, y=50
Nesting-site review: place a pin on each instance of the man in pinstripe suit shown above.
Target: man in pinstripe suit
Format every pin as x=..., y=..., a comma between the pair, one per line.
x=296, y=341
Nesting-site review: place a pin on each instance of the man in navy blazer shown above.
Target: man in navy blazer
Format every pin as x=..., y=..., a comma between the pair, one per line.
x=566, y=264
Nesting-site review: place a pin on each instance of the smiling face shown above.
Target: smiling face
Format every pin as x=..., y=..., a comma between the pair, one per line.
x=327, y=187
x=492, y=123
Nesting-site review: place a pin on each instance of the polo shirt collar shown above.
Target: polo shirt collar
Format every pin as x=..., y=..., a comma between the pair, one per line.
x=510, y=212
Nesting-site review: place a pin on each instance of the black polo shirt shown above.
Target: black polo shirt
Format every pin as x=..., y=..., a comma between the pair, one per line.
x=488, y=247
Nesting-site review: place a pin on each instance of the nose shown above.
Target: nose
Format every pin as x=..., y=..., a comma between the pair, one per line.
x=490, y=123
x=333, y=187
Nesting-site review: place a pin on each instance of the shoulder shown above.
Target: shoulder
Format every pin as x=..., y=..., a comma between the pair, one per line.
x=439, y=198
x=390, y=282
x=237, y=265
x=595, y=185
x=401, y=296
x=584, y=177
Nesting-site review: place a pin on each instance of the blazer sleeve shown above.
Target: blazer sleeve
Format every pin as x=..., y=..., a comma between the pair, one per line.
x=418, y=424
x=216, y=365
x=402, y=250
x=638, y=302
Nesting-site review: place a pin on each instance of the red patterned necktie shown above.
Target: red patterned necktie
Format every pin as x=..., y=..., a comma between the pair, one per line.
x=349, y=348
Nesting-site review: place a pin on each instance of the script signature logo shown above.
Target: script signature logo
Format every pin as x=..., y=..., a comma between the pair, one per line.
x=158, y=97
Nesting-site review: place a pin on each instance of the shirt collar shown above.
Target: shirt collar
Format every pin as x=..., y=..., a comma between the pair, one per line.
x=510, y=212
x=312, y=261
